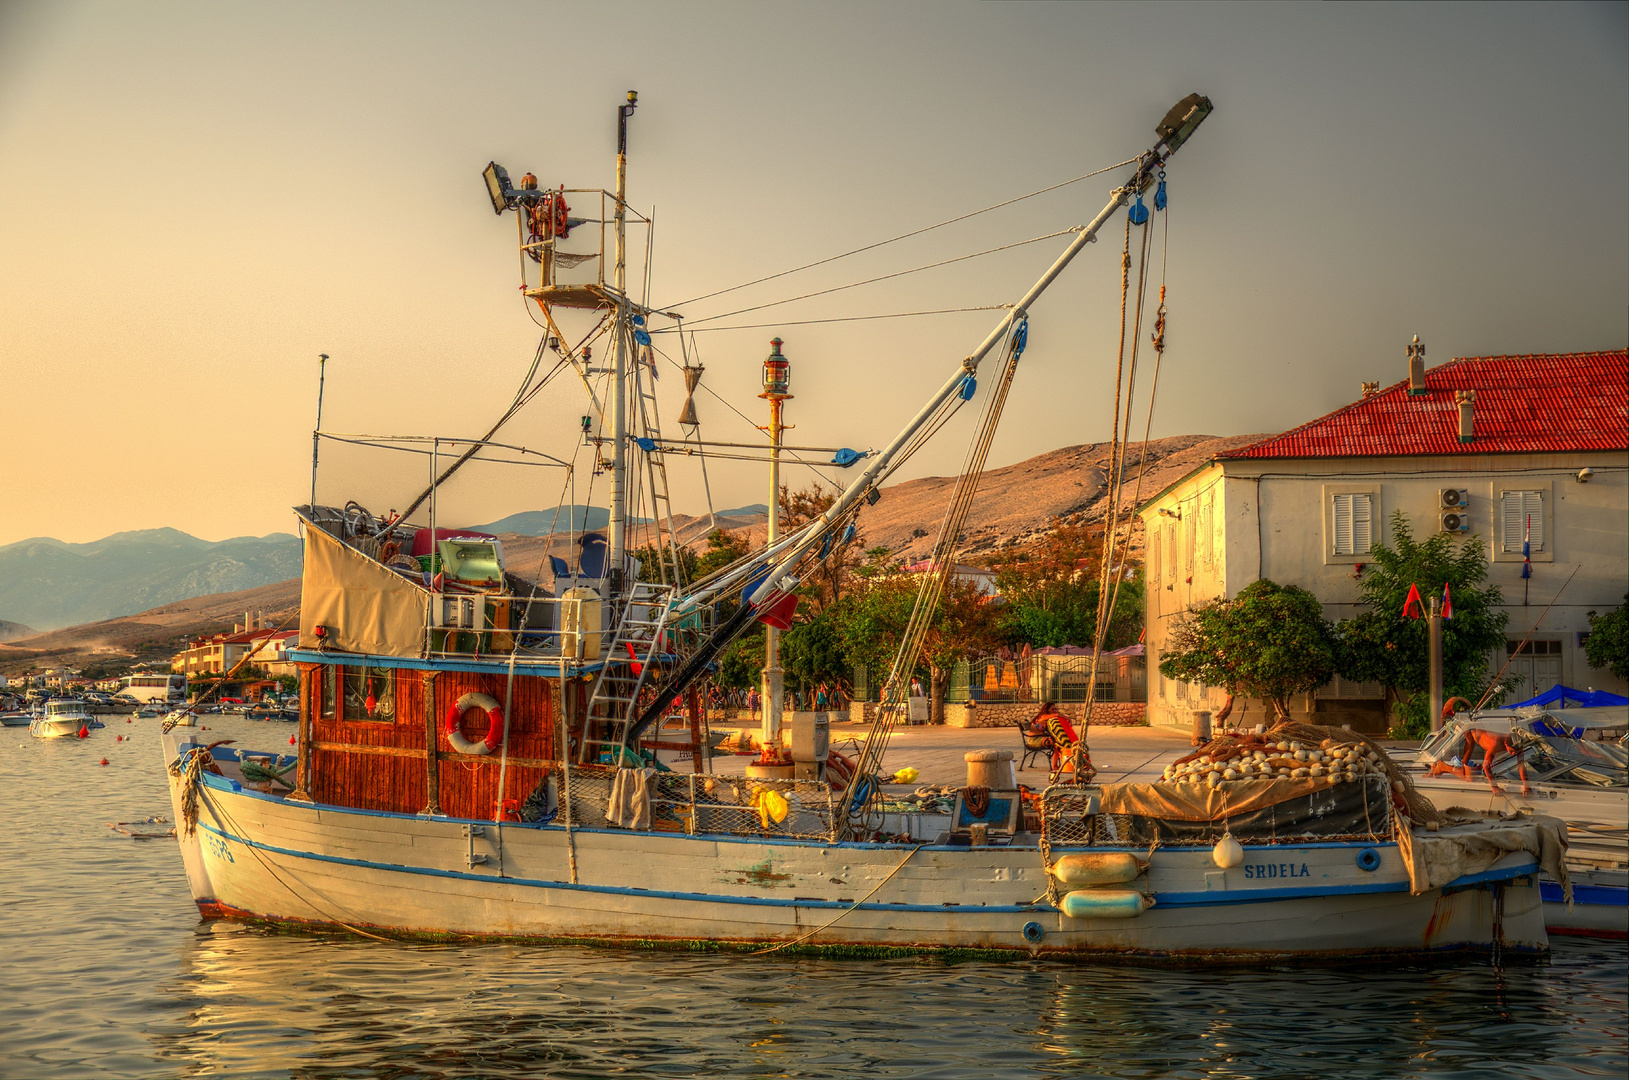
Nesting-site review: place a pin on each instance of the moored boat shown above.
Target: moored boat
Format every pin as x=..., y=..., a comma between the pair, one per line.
x=454, y=718
x=63, y=718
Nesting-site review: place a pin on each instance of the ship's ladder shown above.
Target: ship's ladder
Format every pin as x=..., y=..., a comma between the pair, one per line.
x=635, y=646
x=667, y=553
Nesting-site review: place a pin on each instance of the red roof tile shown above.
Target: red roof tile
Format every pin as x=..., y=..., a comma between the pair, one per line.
x=1557, y=401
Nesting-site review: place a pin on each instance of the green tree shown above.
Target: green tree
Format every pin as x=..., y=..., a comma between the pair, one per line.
x=722, y=549
x=871, y=619
x=1271, y=642
x=1050, y=592
x=1608, y=643
x=1380, y=645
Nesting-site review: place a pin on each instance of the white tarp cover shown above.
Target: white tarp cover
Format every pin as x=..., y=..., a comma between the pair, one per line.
x=1437, y=859
x=366, y=608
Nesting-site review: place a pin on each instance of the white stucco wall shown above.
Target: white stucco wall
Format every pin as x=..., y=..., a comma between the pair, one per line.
x=1271, y=521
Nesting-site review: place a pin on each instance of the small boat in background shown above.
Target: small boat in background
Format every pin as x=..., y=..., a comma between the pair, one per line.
x=64, y=717
x=1564, y=763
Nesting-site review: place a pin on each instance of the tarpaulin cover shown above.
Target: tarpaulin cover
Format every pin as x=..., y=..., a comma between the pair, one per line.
x=1567, y=697
x=1440, y=858
x=1251, y=809
x=366, y=608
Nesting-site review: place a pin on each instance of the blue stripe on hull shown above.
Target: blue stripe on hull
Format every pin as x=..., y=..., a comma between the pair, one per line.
x=1604, y=895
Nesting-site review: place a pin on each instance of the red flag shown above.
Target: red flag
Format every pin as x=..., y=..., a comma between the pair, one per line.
x=1413, y=606
x=1447, y=603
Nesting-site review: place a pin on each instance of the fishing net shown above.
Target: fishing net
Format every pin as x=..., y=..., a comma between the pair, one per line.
x=733, y=805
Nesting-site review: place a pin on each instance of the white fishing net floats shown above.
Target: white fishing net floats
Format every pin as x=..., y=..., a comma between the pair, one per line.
x=1284, y=759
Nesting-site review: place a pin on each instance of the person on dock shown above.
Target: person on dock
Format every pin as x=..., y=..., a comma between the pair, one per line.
x=1053, y=723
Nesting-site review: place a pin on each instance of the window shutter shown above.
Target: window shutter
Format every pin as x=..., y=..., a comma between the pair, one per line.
x=1343, y=524
x=1207, y=532
x=1362, y=525
x=1515, y=510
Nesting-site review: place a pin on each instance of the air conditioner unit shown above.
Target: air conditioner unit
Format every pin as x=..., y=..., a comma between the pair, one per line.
x=1454, y=515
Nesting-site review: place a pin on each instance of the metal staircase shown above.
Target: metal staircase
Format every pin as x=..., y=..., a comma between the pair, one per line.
x=633, y=648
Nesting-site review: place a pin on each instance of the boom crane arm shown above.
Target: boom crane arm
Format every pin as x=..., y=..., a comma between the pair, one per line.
x=782, y=558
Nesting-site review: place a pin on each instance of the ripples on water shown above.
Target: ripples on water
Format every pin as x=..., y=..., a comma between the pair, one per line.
x=107, y=972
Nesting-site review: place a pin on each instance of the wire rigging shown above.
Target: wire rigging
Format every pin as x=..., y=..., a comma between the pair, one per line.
x=888, y=277
x=904, y=236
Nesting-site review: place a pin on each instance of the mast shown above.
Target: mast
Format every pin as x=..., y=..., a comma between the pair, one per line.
x=619, y=400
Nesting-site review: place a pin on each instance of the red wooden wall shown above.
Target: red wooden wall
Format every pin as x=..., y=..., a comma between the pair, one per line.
x=392, y=776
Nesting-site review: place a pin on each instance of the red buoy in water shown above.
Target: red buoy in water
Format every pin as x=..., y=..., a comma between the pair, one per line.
x=127, y=720
x=84, y=732
x=291, y=740
x=118, y=738
x=104, y=761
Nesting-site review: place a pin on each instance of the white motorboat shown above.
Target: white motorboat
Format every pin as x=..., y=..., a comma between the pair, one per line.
x=1567, y=763
x=63, y=718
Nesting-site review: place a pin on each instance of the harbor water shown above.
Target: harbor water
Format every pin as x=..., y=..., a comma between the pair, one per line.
x=108, y=972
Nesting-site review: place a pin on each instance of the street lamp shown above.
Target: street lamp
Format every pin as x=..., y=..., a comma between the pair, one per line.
x=777, y=381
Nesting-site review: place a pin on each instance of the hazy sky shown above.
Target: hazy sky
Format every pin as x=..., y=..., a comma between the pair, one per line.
x=197, y=199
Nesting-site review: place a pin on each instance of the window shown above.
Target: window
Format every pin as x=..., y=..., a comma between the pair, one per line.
x=1207, y=530
x=1354, y=523
x=1171, y=551
x=1521, y=511
x=1188, y=540
x=329, y=676
x=370, y=694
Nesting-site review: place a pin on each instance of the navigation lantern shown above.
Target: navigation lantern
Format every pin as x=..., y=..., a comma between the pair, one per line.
x=777, y=371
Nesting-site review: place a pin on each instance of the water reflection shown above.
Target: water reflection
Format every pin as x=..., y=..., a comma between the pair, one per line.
x=261, y=1004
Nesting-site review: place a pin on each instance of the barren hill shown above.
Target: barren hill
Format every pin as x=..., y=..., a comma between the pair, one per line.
x=1014, y=504
x=151, y=635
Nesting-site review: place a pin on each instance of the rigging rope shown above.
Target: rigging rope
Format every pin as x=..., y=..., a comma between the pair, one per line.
x=888, y=277
x=1107, y=591
x=905, y=236
x=847, y=318
x=939, y=571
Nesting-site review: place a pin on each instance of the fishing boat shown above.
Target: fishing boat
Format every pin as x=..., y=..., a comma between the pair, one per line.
x=1566, y=763
x=63, y=718
x=469, y=751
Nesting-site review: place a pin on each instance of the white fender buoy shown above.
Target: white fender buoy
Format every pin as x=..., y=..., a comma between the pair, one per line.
x=1097, y=868
x=1106, y=904
x=1228, y=852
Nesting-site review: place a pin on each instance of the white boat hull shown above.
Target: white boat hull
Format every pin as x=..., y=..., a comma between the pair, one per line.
x=68, y=727
x=266, y=858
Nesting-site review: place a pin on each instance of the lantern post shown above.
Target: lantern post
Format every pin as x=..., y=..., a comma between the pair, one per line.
x=777, y=380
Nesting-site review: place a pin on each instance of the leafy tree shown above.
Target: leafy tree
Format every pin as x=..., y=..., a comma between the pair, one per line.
x=722, y=549
x=1050, y=593
x=826, y=580
x=870, y=623
x=1380, y=645
x=1271, y=641
x=651, y=561
x=1608, y=643
x=741, y=666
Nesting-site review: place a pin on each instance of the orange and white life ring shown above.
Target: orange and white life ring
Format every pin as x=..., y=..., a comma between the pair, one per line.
x=494, y=727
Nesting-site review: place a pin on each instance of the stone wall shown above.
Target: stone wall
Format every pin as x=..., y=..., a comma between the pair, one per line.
x=990, y=714
x=995, y=714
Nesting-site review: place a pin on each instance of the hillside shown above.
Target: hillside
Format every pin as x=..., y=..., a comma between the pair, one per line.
x=1015, y=504
x=10, y=631
x=46, y=583
x=151, y=635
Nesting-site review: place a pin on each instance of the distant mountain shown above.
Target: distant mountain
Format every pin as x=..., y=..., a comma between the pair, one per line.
x=10, y=631
x=47, y=584
x=574, y=518
x=752, y=510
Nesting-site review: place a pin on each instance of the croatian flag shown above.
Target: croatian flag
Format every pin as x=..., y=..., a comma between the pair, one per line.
x=1527, y=547
x=1413, y=605
x=1447, y=603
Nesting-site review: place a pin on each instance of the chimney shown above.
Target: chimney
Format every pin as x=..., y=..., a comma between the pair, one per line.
x=1416, y=367
x=1370, y=389
x=1465, y=399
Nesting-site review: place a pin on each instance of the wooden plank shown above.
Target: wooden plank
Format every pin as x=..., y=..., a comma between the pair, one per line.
x=432, y=772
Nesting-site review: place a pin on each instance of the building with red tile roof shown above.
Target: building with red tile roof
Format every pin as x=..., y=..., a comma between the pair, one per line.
x=1495, y=450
